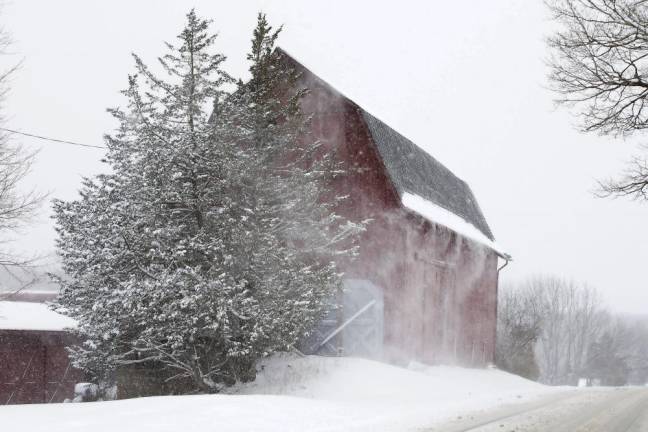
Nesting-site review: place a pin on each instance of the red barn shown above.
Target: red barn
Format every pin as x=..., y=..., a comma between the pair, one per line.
x=34, y=365
x=423, y=288
x=425, y=284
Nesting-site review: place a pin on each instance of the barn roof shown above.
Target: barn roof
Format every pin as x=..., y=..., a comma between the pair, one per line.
x=415, y=171
x=424, y=184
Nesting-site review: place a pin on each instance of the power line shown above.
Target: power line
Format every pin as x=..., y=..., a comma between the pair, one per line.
x=50, y=139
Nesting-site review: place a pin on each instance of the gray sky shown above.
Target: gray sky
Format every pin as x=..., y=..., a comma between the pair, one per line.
x=464, y=80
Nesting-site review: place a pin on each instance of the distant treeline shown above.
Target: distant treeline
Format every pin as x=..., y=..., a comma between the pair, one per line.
x=559, y=332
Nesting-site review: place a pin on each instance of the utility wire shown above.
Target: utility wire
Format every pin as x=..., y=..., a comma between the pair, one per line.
x=50, y=139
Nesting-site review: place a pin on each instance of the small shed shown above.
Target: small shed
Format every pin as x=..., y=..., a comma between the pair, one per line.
x=34, y=364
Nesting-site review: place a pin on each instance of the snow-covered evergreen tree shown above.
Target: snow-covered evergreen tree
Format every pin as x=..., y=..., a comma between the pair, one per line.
x=209, y=244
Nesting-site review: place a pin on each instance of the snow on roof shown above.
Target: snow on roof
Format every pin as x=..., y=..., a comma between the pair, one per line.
x=439, y=215
x=31, y=296
x=415, y=171
x=32, y=316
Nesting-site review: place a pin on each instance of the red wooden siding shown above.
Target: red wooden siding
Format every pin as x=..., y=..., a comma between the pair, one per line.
x=34, y=367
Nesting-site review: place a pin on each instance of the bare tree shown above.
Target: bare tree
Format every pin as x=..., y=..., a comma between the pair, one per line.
x=620, y=355
x=573, y=318
x=558, y=331
x=546, y=326
x=599, y=65
x=635, y=351
x=17, y=206
x=519, y=324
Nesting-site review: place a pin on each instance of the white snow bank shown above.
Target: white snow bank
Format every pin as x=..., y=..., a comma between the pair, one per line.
x=32, y=316
x=297, y=394
x=439, y=215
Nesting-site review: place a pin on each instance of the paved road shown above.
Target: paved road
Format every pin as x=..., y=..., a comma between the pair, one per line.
x=609, y=410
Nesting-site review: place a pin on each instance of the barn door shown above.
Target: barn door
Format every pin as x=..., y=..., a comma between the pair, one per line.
x=355, y=326
x=438, y=315
x=363, y=311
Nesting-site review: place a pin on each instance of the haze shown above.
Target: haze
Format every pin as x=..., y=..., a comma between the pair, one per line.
x=464, y=80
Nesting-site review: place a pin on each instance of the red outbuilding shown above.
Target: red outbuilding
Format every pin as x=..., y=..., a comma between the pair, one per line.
x=34, y=365
x=425, y=285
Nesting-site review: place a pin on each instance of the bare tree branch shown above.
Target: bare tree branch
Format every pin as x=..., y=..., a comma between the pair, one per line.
x=17, y=207
x=599, y=67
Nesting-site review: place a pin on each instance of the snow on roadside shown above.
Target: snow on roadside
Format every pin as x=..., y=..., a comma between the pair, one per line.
x=394, y=397
x=297, y=394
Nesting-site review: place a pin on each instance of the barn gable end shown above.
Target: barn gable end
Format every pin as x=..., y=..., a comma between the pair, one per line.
x=434, y=284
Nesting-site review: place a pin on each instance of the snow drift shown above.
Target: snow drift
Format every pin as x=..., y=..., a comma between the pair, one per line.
x=297, y=394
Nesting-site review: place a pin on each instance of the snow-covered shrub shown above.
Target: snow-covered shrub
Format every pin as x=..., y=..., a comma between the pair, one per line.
x=86, y=392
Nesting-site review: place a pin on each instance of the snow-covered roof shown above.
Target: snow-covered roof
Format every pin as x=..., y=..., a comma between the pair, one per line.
x=437, y=214
x=32, y=316
x=412, y=170
x=31, y=296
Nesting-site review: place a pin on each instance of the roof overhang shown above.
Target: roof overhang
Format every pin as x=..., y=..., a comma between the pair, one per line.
x=438, y=215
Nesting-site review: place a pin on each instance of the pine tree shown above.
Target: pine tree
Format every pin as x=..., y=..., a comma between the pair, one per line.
x=209, y=245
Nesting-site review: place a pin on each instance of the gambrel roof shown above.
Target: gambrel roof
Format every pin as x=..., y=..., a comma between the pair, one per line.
x=413, y=170
x=424, y=185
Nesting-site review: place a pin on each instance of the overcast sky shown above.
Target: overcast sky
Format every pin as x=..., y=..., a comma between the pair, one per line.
x=464, y=80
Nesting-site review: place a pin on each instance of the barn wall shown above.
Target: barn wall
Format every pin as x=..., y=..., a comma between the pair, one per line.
x=34, y=367
x=440, y=291
x=439, y=288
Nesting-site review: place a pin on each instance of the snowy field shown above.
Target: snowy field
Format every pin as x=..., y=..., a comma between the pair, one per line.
x=297, y=394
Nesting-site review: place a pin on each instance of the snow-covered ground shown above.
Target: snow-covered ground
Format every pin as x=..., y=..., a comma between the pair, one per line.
x=297, y=394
